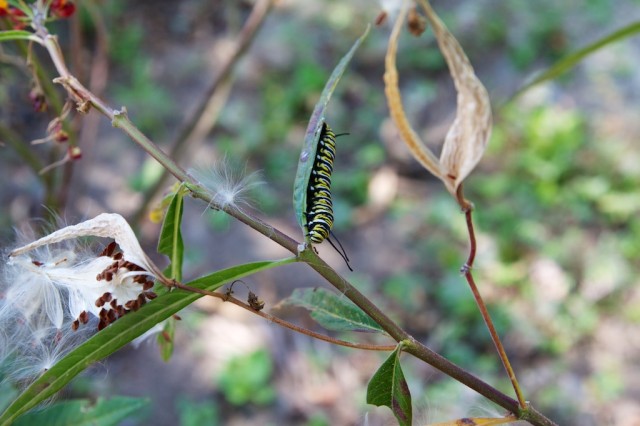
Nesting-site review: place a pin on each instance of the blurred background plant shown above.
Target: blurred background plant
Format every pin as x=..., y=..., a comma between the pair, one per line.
x=556, y=196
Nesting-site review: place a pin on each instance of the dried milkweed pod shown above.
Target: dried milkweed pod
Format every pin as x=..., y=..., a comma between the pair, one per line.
x=467, y=138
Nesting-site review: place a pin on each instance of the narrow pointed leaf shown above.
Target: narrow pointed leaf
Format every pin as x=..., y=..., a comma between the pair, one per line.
x=312, y=137
x=122, y=332
x=568, y=62
x=332, y=311
x=103, y=412
x=17, y=35
x=170, y=242
x=389, y=388
x=467, y=138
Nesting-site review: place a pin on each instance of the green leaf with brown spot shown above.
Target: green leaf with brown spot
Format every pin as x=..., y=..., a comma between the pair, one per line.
x=388, y=387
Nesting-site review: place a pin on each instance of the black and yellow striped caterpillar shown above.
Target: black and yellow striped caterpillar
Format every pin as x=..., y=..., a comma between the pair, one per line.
x=319, y=212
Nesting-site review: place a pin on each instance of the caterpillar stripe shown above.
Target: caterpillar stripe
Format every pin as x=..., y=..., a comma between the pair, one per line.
x=319, y=212
x=319, y=206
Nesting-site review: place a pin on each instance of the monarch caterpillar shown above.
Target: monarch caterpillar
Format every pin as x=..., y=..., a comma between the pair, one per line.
x=319, y=212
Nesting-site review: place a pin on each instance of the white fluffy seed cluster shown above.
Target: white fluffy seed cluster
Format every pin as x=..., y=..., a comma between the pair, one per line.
x=53, y=286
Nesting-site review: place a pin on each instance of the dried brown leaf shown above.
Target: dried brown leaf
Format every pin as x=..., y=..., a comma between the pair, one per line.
x=467, y=138
x=394, y=100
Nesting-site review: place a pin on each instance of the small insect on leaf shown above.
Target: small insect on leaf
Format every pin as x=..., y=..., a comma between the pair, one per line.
x=255, y=303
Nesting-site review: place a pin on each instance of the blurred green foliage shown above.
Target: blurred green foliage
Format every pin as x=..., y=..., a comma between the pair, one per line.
x=148, y=102
x=246, y=379
x=194, y=413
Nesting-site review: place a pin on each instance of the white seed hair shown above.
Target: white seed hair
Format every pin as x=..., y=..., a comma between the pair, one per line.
x=228, y=187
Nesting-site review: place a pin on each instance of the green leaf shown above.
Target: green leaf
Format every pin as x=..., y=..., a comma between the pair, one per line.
x=16, y=35
x=166, y=338
x=246, y=379
x=122, y=332
x=170, y=242
x=312, y=137
x=389, y=388
x=82, y=412
x=568, y=62
x=333, y=312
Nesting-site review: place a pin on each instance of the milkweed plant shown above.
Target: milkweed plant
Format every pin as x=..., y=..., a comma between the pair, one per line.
x=66, y=305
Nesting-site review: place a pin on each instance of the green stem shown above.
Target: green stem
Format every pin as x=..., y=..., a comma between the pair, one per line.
x=120, y=120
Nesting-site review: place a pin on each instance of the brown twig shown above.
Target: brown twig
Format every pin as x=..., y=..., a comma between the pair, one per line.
x=283, y=323
x=467, y=208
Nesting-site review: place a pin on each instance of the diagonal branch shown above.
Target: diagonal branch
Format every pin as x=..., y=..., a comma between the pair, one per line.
x=206, y=113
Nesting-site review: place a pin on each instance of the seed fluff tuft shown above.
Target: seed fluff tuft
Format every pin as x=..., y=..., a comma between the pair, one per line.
x=228, y=186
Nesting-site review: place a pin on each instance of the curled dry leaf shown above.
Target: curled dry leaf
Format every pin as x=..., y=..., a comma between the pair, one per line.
x=409, y=136
x=468, y=136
